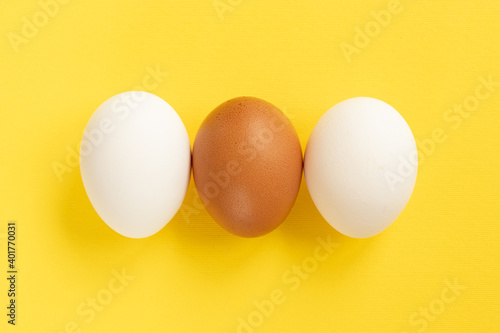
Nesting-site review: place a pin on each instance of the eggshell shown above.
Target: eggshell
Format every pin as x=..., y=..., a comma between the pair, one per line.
x=135, y=162
x=360, y=166
x=247, y=166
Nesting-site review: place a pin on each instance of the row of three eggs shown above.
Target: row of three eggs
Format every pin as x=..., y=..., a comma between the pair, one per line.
x=135, y=162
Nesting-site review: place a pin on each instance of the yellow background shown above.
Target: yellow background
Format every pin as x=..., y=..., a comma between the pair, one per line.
x=193, y=276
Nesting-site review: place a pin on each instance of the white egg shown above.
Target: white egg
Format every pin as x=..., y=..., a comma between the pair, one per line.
x=360, y=166
x=135, y=162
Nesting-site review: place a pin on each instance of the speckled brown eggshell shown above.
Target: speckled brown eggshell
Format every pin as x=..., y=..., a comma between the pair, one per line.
x=247, y=166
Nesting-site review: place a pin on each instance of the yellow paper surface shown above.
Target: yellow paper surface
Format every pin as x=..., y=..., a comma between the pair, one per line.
x=436, y=269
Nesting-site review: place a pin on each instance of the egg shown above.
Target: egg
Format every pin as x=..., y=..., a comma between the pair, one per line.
x=247, y=166
x=360, y=166
x=135, y=163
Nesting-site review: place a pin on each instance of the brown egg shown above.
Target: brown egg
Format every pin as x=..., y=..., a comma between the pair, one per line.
x=247, y=166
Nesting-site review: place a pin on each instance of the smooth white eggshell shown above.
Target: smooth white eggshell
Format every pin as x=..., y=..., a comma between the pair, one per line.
x=360, y=166
x=135, y=163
